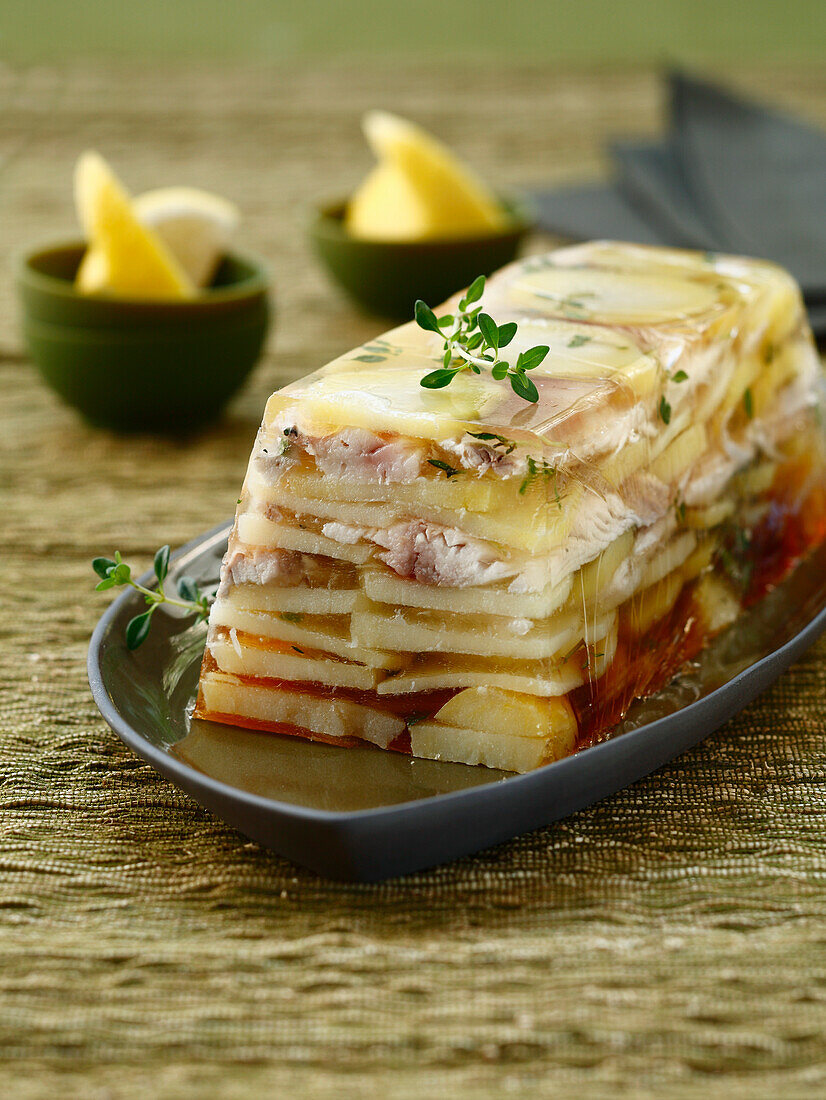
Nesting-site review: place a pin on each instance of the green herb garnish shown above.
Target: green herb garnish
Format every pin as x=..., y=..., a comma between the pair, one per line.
x=377, y=351
x=733, y=556
x=567, y=656
x=472, y=342
x=448, y=470
x=116, y=573
x=570, y=304
x=578, y=340
x=546, y=470
x=680, y=376
x=291, y=616
x=596, y=657
x=748, y=403
x=665, y=410
x=495, y=440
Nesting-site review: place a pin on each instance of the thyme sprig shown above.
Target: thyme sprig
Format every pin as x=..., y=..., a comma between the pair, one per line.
x=115, y=573
x=473, y=341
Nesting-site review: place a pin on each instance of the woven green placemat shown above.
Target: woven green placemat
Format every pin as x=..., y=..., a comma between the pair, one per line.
x=667, y=942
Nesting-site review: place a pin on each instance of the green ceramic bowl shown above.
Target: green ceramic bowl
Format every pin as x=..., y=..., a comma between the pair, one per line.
x=137, y=365
x=386, y=277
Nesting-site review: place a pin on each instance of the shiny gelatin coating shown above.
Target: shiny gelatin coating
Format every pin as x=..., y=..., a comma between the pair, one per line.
x=466, y=576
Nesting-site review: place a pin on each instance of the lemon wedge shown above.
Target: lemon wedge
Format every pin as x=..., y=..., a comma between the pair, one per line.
x=124, y=257
x=388, y=207
x=195, y=225
x=420, y=190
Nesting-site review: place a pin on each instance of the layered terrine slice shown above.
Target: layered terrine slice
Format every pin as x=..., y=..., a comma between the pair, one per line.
x=466, y=574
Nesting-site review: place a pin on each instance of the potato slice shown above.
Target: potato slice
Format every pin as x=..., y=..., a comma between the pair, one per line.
x=718, y=602
x=745, y=373
x=489, y=636
x=432, y=741
x=709, y=516
x=500, y=712
x=595, y=660
x=429, y=672
x=756, y=480
x=535, y=522
x=386, y=587
x=626, y=461
x=387, y=397
x=784, y=365
x=681, y=453
x=474, y=493
x=366, y=513
x=327, y=715
x=648, y=607
x=298, y=599
x=700, y=557
x=506, y=730
x=328, y=633
x=669, y=558
x=614, y=297
x=599, y=572
x=289, y=664
x=257, y=530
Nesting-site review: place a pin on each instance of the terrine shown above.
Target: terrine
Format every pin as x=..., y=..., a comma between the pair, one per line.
x=465, y=574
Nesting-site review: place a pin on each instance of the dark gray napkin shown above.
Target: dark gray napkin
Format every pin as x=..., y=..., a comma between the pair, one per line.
x=650, y=177
x=817, y=317
x=730, y=176
x=758, y=177
x=592, y=211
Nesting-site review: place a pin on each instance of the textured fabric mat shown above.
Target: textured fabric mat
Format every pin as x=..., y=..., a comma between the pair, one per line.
x=669, y=942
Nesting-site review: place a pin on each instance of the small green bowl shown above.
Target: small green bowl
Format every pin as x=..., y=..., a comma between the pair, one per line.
x=386, y=277
x=137, y=365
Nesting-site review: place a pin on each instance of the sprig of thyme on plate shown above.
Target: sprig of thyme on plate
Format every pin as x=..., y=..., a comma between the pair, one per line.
x=115, y=573
x=473, y=341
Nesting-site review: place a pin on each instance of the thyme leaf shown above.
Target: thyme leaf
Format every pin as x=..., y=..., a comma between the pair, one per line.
x=495, y=440
x=544, y=469
x=448, y=470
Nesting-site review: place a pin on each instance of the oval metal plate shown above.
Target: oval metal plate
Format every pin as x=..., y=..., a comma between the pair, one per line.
x=361, y=814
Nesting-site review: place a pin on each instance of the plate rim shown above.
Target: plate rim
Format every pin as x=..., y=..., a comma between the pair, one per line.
x=166, y=763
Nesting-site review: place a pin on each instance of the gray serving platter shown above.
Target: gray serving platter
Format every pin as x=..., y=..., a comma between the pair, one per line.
x=360, y=814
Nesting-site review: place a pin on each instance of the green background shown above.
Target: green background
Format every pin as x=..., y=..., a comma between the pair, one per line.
x=576, y=31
